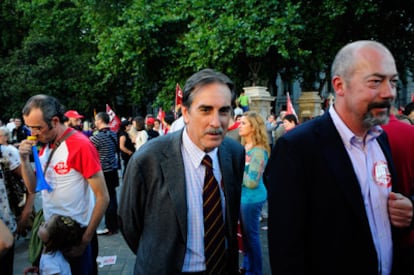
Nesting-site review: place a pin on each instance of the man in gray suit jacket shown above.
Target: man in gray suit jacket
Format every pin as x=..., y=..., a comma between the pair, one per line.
x=161, y=205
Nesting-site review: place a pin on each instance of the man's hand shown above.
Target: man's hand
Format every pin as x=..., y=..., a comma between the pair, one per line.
x=400, y=210
x=25, y=148
x=31, y=270
x=76, y=251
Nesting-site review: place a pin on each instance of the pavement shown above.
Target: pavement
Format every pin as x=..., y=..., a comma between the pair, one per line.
x=115, y=245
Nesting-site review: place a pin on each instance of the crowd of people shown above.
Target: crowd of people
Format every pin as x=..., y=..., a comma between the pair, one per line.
x=338, y=187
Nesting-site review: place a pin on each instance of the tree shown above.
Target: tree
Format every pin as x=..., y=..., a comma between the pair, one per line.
x=161, y=43
x=53, y=59
x=131, y=54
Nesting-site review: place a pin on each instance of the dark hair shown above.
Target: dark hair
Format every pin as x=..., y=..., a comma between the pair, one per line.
x=408, y=108
x=124, y=124
x=140, y=122
x=64, y=233
x=104, y=116
x=202, y=78
x=169, y=118
x=49, y=106
x=291, y=118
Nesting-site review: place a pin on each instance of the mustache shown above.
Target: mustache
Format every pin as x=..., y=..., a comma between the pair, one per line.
x=218, y=131
x=384, y=104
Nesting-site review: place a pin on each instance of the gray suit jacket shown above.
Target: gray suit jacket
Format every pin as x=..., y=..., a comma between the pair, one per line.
x=153, y=204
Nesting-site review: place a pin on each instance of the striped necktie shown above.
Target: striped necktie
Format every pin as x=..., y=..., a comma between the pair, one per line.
x=214, y=246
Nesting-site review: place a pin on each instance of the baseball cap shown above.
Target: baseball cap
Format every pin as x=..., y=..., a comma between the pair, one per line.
x=150, y=120
x=73, y=114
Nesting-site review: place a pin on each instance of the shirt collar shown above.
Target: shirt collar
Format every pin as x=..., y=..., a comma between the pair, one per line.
x=348, y=137
x=196, y=154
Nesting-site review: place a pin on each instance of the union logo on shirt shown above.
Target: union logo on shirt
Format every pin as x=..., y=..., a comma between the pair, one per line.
x=61, y=168
x=381, y=174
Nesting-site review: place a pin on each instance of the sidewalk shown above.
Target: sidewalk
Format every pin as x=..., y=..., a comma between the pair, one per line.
x=115, y=245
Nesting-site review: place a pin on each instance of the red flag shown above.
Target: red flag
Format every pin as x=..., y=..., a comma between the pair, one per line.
x=114, y=121
x=178, y=95
x=161, y=115
x=290, y=109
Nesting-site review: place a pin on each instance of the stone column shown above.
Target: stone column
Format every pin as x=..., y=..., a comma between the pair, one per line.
x=260, y=100
x=309, y=104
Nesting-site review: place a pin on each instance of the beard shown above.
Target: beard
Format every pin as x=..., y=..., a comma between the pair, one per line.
x=372, y=118
x=76, y=127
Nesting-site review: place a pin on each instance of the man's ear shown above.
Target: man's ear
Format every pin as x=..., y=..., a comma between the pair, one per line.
x=185, y=113
x=338, y=84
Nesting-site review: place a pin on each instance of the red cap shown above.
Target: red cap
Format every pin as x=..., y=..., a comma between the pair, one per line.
x=73, y=114
x=150, y=120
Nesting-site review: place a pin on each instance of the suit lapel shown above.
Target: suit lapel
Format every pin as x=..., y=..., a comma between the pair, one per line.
x=227, y=178
x=337, y=159
x=225, y=168
x=173, y=170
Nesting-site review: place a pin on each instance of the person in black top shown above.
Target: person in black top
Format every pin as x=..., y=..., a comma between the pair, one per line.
x=106, y=142
x=150, y=131
x=126, y=146
x=18, y=133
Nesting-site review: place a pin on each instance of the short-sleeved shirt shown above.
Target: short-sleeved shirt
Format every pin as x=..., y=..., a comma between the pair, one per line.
x=106, y=142
x=54, y=263
x=244, y=100
x=74, y=161
x=10, y=154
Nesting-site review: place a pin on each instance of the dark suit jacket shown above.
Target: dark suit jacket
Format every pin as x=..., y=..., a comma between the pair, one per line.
x=317, y=219
x=153, y=203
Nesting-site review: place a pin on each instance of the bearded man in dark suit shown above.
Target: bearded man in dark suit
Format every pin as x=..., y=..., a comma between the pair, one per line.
x=333, y=207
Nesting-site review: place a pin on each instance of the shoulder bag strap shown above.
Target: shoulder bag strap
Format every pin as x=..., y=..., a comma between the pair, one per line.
x=56, y=145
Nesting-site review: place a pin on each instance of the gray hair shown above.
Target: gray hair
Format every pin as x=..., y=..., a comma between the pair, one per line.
x=202, y=78
x=49, y=106
x=5, y=131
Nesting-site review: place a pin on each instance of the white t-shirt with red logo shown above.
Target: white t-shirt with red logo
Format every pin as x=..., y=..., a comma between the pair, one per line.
x=73, y=162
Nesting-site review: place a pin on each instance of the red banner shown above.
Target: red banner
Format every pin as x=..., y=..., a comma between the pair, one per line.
x=290, y=109
x=161, y=115
x=114, y=121
x=178, y=95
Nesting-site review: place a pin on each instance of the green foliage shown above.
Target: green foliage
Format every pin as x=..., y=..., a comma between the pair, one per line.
x=130, y=54
x=53, y=59
x=12, y=30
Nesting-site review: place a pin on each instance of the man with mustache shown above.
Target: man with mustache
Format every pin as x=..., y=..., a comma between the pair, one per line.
x=333, y=203
x=161, y=206
x=73, y=120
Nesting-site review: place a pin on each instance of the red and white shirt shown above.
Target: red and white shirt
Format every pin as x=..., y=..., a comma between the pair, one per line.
x=73, y=162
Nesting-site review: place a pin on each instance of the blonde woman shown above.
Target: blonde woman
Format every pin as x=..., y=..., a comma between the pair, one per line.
x=254, y=137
